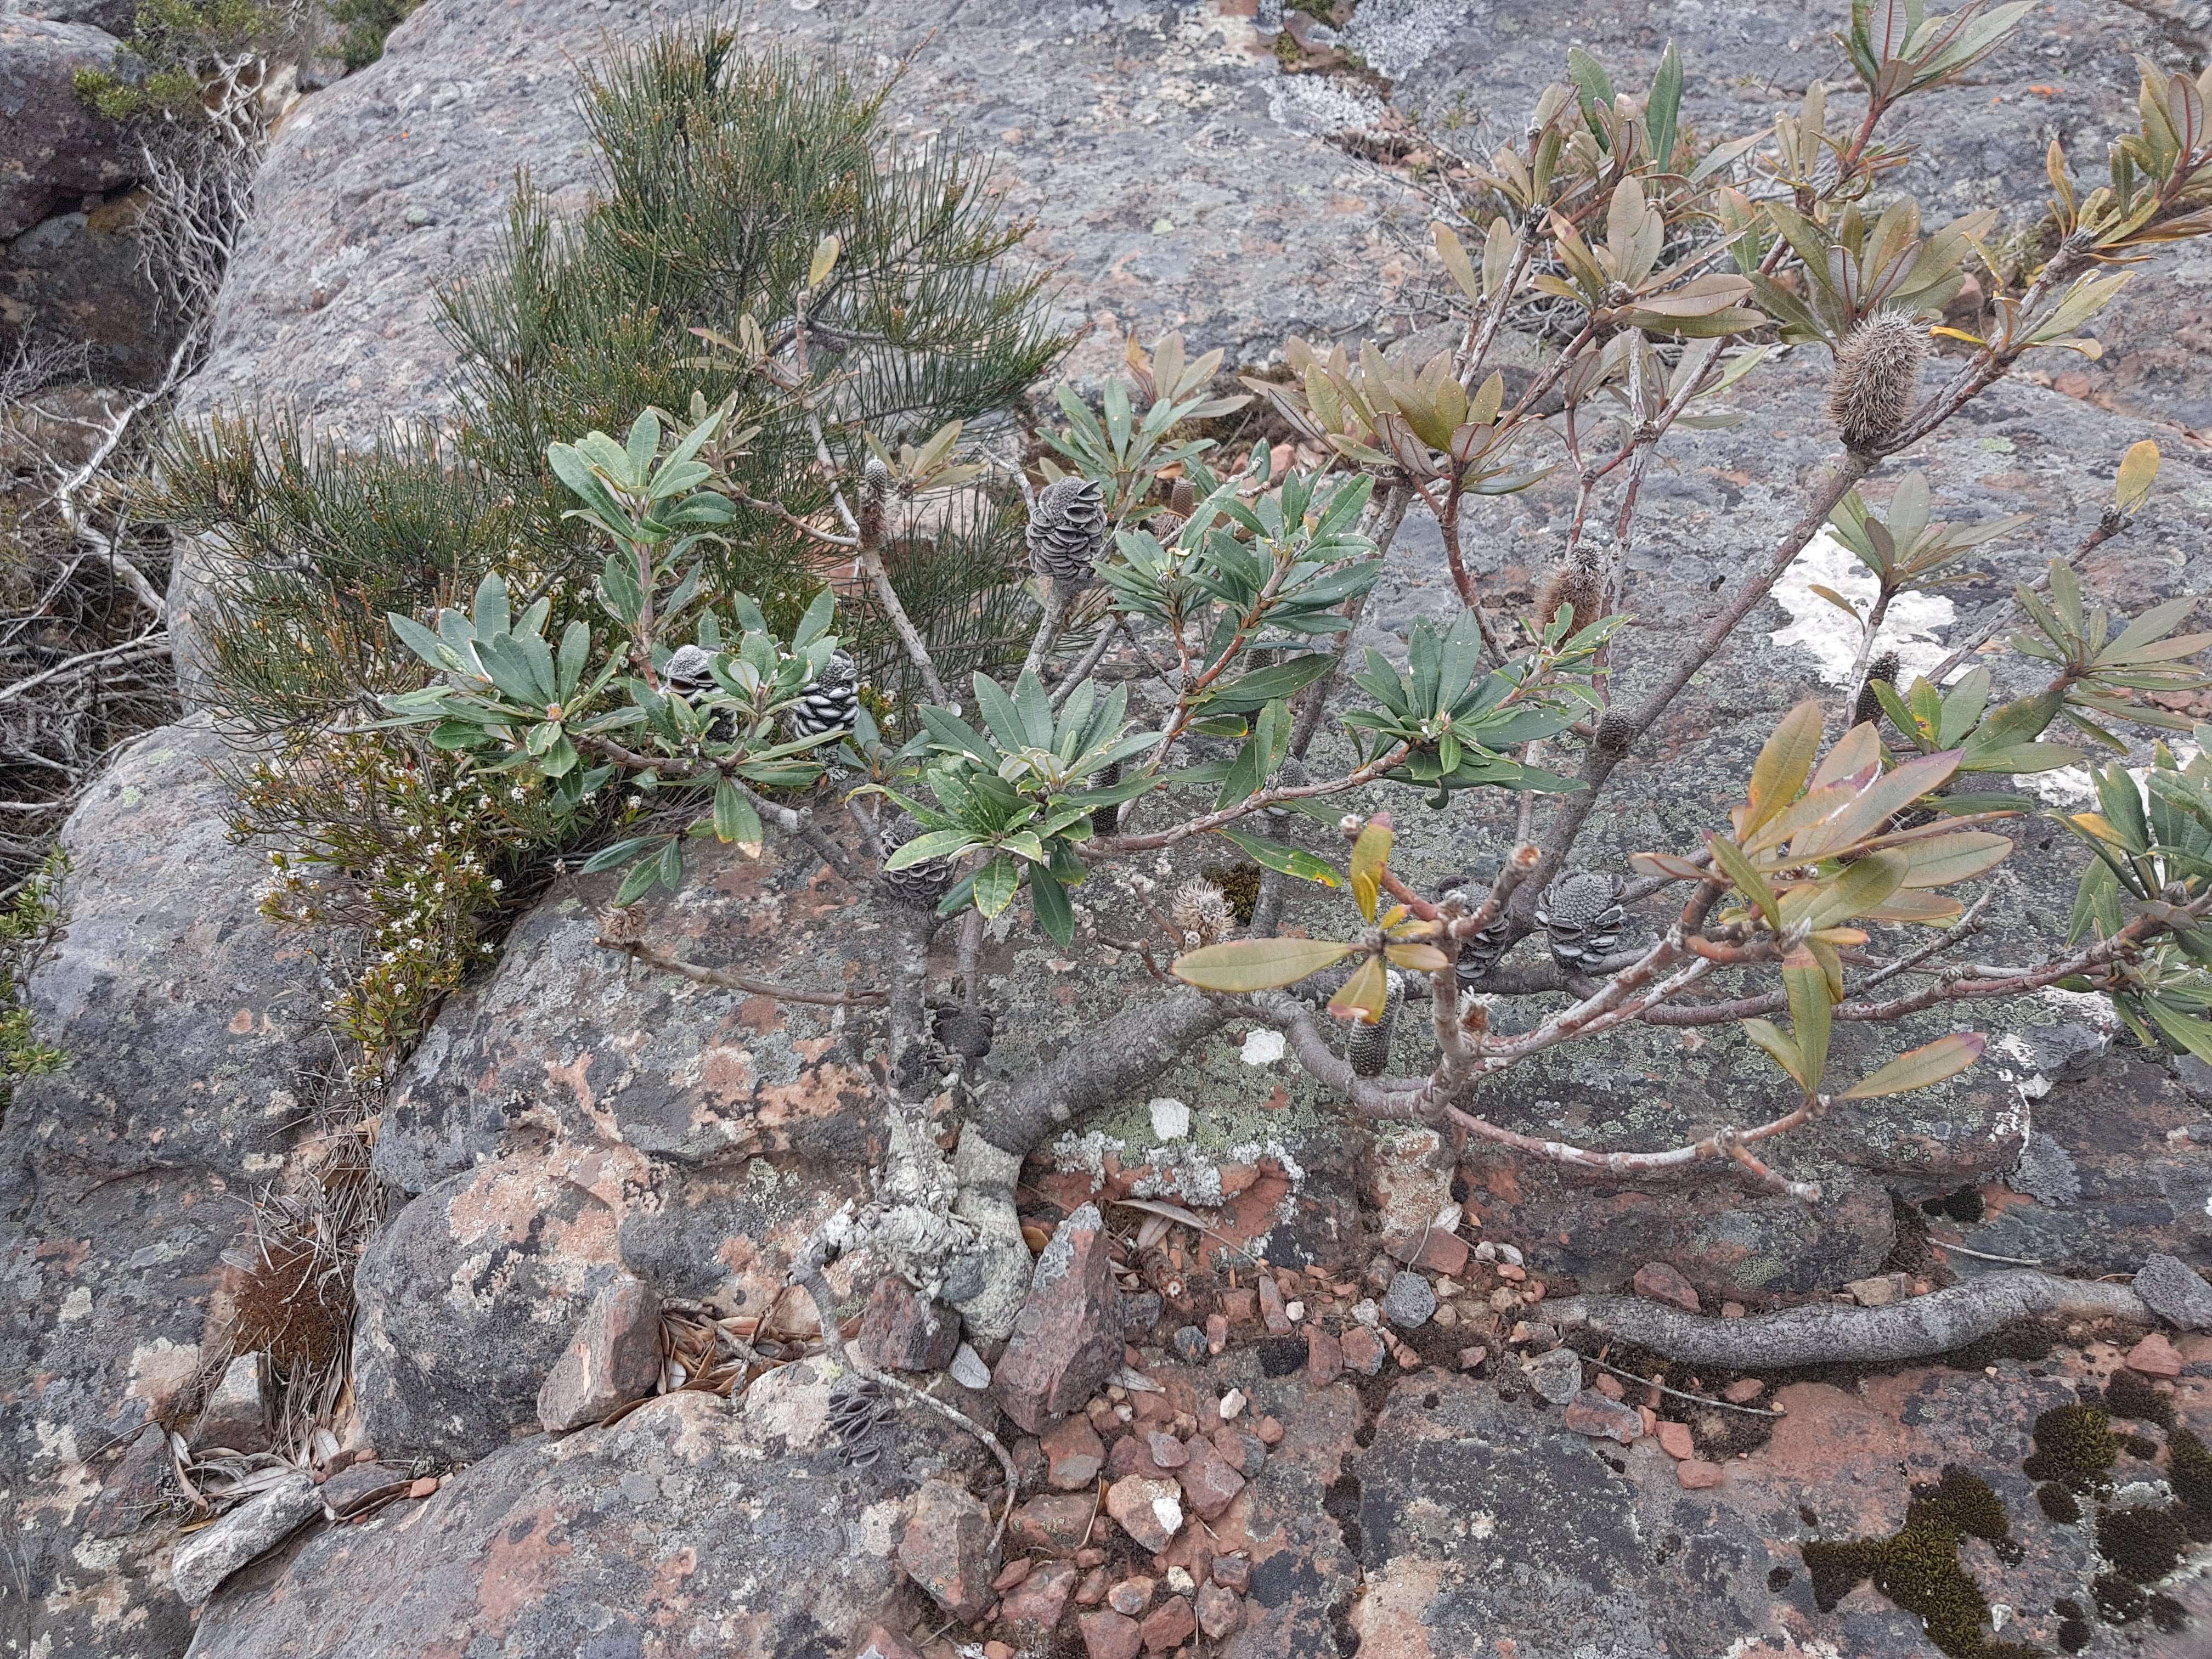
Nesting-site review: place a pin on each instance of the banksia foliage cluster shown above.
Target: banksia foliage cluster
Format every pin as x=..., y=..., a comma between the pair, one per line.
x=1877, y=375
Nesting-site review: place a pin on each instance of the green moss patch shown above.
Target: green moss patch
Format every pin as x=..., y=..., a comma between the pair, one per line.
x=2074, y=1445
x=1918, y=1568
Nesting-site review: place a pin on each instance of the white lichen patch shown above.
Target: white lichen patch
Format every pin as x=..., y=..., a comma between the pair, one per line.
x=1830, y=639
x=1322, y=103
x=1396, y=37
x=1262, y=1048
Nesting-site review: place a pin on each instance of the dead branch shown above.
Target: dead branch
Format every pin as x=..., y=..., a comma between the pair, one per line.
x=1834, y=1333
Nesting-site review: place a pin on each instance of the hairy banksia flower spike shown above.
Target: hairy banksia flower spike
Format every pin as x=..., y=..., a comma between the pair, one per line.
x=1201, y=912
x=1877, y=375
x=1068, y=528
x=1579, y=582
x=1579, y=914
x=1868, y=707
x=1368, y=1047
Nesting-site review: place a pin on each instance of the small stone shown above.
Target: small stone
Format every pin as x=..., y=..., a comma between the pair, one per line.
x=997, y=1650
x=1131, y=1597
x=1207, y=1480
x=1447, y=1317
x=1879, y=1291
x=1510, y=1274
x=1109, y=1635
x=947, y=1549
x=1557, y=1375
x=1232, y=1403
x=1609, y=1385
x=1216, y=1333
x=1189, y=1343
x=1531, y=1334
x=203, y=1561
x=968, y=1370
x=2154, y=1357
x=1696, y=1475
x=1068, y=1337
x=1243, y=1452
x=903, y=1330
x=421, y=1486
x=880, y=1641
x=1013, y=1574
x=1324, y=1358
x=1593, y=1414
x=1073, y=1454
x=235, y=1415
x=1090, y=1555
x=1167, y=1451
x=1240, y=1306
x=1656, y=1281
x=1179, y=1581
x=1272, y=1313
x=2175, y=1292
x=1442, y=1252
x=1093, y=1590
x=1270, y=1430
x=1473, y=1358
x=1732, y=1310
x=1410, y=1302
x=1294, y=1311
x=1232, y=1572
x=1363, y=1351
x=1675, y=1440
x=1220, y=1610
x=1054, y=1524
x=1743, y=1390
x=1168, y=1626
x=1148, y=1508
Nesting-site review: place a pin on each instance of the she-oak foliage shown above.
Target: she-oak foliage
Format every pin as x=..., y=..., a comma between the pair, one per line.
x=698, y=530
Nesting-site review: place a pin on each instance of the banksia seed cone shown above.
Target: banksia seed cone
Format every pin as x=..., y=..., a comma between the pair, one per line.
x=875, y=491
x=1579, y=914
x=1479, y=955
x=1868, y=707
x=1579, y=583
x=920, y=883
x=831, y=703
x=687, y=671
x=1068, y=528
x=1877, y=375
x=1200, y=912
x=1368, y=1047
x=1104, y=820
x=966, y=1033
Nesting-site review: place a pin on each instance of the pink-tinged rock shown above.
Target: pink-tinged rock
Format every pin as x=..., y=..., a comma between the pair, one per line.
x=1247, y=1454
x=1043, y=1596
x=1656, y=1281
x=1093, y=1590
x=1240, y=1306
x=1270, y=1430
x=1436, y=1250
x=905, y=1331
x=612, y=1358
x=1207, y=1480
x=1132, y=1455
x=1219, y=1610
x=1168, y=1625
x=1324, y=1357
x=1109, y=1635
x=1473, y=1359
x=1131, y=1597
x=1013, y=1574
x=1068, y=1337
x=1167, y=1451
x=1232, y=1571
x=1696, y=1475
x=1361, y=1349
x=2154, y=1357
x=1609, y=1385
x=880, y=1641
x=1073, y=1454
x=1216, y=1333
x=1591, y=1413
x=1056, y=1524
x=1149, y=1509
x=1743, y=1390
x=947, y=1548
x=1674, y=1439
x=1272, y=1313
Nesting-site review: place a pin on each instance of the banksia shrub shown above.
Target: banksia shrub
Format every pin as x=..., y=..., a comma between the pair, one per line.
x=1877, y=373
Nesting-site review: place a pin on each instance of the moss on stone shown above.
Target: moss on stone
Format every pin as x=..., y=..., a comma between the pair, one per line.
x=2189, y=1470
x=2129, y=1396
x=1240, y=886
x=2143, y=1545
x=2056, y=1503
x=1918, y=1568
x=1838, y=1569
x=2073, y=1444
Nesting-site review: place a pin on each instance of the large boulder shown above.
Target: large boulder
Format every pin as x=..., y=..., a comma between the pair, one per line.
x=187, y=1021
x=55, y=150
x=672, y=1532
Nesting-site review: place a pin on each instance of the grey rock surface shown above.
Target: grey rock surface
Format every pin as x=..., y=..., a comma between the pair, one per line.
x=1410, y=1302
x=253, y=1529
x=1557, y=1375
x=2175, y=1292
x=54, y=149
x=77, y=276
x=670, y=1533
x=123, y=1178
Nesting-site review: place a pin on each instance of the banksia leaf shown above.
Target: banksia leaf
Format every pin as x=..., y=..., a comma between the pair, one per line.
x=1877, y=375
x=1258, y=964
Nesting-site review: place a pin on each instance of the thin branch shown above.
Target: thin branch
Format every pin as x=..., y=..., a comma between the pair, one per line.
x=723, y=979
